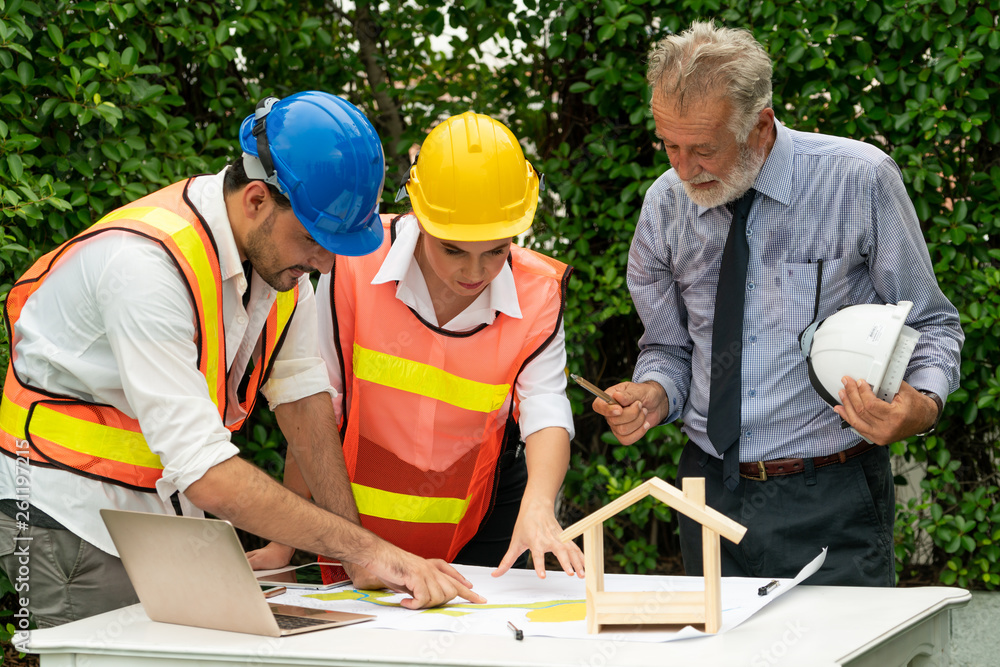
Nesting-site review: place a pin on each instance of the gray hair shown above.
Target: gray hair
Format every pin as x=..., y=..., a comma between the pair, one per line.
x=705, y=60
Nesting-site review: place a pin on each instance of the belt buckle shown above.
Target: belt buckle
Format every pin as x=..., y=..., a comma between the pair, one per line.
x=762, y=477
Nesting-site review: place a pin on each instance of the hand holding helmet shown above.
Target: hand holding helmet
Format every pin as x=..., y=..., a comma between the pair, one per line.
x=910, y=412
x=857, y=358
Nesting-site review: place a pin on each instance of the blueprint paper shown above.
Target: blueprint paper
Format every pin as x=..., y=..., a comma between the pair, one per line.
x=550, y=607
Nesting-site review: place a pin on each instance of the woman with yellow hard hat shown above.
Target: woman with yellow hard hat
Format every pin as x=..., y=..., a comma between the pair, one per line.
x=446, y=347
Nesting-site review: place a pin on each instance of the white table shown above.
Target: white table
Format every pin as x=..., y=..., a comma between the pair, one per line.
x=811, y=625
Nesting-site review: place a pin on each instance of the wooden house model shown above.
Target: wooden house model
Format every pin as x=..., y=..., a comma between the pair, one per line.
x=686, y=607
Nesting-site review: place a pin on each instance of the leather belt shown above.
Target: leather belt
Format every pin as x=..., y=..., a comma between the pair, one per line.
x=760, y=470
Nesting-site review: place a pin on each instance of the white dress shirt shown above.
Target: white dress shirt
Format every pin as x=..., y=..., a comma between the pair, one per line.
x=541, y=386
x=114, y=324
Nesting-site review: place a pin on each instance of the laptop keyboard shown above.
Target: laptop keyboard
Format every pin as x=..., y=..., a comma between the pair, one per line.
x=295, y=622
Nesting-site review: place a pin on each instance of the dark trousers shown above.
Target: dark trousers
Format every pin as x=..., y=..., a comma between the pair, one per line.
x=848, y=507
x=488, y=546
x=67, y=577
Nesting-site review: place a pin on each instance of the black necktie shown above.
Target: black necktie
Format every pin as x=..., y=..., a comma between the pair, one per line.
x=727, y=343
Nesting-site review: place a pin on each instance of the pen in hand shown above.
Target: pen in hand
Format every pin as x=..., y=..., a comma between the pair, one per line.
x=593, y=389
x=518, y=635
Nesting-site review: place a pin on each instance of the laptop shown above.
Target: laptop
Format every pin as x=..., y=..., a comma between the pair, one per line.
x=192, y=571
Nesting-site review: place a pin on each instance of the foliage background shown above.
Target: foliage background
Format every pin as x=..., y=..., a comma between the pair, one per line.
x=104, y=101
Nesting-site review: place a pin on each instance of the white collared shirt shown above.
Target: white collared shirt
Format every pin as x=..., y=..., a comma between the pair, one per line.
x=541, y=386
x=114, y=324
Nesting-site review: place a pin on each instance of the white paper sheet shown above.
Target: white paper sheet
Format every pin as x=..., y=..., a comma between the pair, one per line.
x=550, y=607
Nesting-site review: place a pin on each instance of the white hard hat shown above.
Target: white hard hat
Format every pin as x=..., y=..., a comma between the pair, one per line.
x=866, y=342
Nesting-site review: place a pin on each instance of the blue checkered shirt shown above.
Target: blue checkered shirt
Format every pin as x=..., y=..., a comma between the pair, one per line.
x=820, y=197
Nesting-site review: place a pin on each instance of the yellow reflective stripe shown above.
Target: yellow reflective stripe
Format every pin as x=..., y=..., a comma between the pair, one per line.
x=190, y=244
x=426, y=380
x=412, y=509
x=160, y=218
x=286, y=306
x=98, y=440
x=12, y=418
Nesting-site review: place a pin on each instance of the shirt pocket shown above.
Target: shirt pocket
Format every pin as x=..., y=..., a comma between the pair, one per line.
x=798, y=291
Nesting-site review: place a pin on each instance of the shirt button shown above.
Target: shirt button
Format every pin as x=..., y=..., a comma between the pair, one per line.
x=753, y=339
x=752, y=393
x=749, y=433
x=241, y=320
x=751, y=287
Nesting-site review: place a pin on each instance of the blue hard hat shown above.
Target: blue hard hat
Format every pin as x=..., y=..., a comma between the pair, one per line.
x=324, y=155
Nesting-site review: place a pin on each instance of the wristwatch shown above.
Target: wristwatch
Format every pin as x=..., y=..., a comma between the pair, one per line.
x=940, y=409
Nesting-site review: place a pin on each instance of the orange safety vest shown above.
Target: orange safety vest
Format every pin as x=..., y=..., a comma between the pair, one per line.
x=427, y=409
x=97, y=440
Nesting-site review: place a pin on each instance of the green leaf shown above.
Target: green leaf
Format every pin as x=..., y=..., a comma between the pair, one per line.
x=872, y=12
x=979, y=94
x=148, y=94
x=111, y=151
x=25, y=73
x=952, y=74
x=936, y=512
x=18, y=48
x=864, y=51
x=969, y=413
x=138, y=42
x=55, y=35
x=961, y=210
x=16, y=166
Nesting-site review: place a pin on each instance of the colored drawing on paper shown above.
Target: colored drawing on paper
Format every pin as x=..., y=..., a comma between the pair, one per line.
x=575, y=610
x=357, y=595
x=548, y=611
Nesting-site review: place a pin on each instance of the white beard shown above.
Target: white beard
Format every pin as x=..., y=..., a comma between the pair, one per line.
x=748, y=165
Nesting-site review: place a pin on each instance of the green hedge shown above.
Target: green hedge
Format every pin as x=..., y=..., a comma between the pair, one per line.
x=105, y=101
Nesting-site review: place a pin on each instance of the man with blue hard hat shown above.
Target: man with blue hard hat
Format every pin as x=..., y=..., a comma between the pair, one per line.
x=140, y=345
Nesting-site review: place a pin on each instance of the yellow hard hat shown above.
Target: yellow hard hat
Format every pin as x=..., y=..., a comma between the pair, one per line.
x=471, y=182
